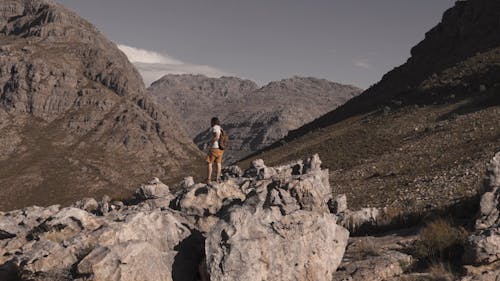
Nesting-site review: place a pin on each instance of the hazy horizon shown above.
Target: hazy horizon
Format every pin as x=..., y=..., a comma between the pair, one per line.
x=351, y=42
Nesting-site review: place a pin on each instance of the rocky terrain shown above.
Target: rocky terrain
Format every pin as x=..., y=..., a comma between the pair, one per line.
x=416, y=142
x=74, y=117
x=266, y=223
x=263, y=224
x=253, y=117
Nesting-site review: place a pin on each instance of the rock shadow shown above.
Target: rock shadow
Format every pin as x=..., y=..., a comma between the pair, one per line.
x=191, y=253
x=9, y=272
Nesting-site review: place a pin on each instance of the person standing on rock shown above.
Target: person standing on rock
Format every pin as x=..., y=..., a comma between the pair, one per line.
x=215, y=152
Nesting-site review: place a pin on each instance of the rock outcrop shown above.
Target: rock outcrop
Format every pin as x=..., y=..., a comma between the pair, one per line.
x=253, y=117
x=376, y=258
x=273, y=223
x=484, y=244
x=73, y=112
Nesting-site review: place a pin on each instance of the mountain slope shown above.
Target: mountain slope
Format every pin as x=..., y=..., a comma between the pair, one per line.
x=74, y=118
x=419, y=138
x=197, y=98
x=253, y=117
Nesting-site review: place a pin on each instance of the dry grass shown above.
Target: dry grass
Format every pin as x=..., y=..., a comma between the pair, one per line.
x=440, y=241
x=409, y=159
x=441, y=272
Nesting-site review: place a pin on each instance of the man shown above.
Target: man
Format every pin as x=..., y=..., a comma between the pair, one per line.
x=215, y=152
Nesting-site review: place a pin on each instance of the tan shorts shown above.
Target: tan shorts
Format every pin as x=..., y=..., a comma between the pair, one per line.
x=215, y=154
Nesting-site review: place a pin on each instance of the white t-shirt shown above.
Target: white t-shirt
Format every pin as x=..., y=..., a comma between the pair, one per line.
x=215, y=131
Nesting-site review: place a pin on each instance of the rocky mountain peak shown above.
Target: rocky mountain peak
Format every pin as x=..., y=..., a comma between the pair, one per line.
x=71, y=102
x=303, y=84
x=41, y=25
x=218, y=87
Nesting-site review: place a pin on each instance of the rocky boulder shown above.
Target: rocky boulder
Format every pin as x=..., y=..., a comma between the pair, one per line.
x=280, y=231
x=271, y=224
x=258, y=242
x=484, y=244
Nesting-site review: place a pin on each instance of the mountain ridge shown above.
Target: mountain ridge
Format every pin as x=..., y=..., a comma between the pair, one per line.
x=74, y=112
x=253, y=116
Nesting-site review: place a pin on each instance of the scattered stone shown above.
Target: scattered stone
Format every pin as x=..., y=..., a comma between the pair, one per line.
x=88, y=204
x=339, y=204
x=231, y=172
x=187, y=182
x=153, y=190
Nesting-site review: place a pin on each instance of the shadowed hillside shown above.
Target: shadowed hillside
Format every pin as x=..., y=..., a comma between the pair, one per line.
x=420, y=137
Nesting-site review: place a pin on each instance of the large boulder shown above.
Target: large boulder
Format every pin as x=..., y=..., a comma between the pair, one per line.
x=283, y=230
x=140, y=248
x=153, y=190
x=255, y=242
x=131, y=261
x=484, y=244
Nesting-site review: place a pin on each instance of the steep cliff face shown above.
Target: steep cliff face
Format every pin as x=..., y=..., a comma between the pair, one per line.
x=73, y=112
x=253, y=117
x=465, y=41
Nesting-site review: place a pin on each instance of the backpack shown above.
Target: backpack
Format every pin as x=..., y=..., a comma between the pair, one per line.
x=223, y=140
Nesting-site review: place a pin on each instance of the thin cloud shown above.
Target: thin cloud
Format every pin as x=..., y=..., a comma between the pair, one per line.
x=154, y=65
x=362, y=64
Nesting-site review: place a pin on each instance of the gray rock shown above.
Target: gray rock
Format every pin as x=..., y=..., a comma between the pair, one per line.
x=375, y=258
x=153, y=190
x=128, y=262
x=202, y=200
x=489, y=272
x=231, y=172
x=255, y=167
x=256, y=243
x=339, y=204
x=353, y=220
x=256, y=229
x=493, y=172
x=484, y=244
x=280, y=230
x=88, y=204
x=187, y=182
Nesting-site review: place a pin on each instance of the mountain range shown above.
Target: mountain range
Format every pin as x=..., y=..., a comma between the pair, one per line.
x=254, y=117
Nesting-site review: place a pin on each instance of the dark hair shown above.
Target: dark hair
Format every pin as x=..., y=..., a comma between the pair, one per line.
x=215, y=121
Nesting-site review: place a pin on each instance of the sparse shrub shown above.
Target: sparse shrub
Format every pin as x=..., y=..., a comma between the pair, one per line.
x=440, y=241
x=441, y=272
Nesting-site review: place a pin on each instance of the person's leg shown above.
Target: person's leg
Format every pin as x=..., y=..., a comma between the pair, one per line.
x=219, y=169
x=209, y=172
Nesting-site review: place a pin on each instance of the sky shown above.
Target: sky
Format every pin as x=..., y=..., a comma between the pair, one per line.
x=347, y=41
